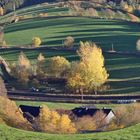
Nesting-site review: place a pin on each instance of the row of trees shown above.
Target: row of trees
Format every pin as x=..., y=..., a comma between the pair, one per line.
x=68, y=41
x=88, y=74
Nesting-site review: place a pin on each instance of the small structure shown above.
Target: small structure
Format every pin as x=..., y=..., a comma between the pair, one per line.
x=91, y=111
x=112, y=49
x=32, y=110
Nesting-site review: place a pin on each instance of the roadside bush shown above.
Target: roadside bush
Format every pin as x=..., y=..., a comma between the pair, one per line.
x=52, y=122
x=11, y=115
x=36, y=41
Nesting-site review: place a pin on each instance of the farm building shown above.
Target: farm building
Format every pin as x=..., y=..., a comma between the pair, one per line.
x=30, y=112
x=91, y=111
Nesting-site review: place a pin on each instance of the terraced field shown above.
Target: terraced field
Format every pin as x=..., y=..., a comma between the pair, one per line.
x=53, y=30
x=123, y=35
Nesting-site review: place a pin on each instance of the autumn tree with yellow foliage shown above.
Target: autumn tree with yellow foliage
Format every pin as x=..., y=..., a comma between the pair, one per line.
x=58, y=66
x=22, y=69
x=11, y=115
x=89, y=74
x=36, y=41
x=41, y=68
x=50, y=121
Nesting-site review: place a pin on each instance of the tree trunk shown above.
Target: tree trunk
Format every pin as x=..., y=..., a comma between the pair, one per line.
x=81, y=92
x=95, y=92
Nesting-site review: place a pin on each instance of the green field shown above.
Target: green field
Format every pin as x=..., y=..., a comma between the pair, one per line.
x=61, y=105
x=104, y=32
x=8, y=133
x=131, y=133
x=53, y=31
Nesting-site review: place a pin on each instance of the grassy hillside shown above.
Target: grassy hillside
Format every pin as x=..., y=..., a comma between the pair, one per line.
x=52, y=31
x=131, y=133
x=104, y=32
x=61, y=105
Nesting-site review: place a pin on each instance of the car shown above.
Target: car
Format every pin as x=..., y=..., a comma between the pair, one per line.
x=126, y=101
x=33, y=89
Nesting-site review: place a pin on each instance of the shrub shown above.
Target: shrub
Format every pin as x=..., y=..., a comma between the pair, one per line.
x=58, y=66
x=86, y=123
x=4, y=44
x=52, y=122
x=68, y=42
x=40, y=57
x=22, y=70
x=11, y=115
x=125, y=116
x=41, y=66
x=36, y=41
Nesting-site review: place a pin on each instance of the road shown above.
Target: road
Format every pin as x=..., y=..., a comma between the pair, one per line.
x=70, y=98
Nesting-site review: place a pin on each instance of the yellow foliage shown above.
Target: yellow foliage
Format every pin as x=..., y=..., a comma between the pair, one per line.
x=130, y=9
x=51, y=121
x=86, y=123
x=40, y=57
x=1, y=11
x=58, y=65
x=4, y=44
x=11, y=115
x=114, y=126
x=23, y=61
x=90, y=72
x=36, y=41
x=125, y=6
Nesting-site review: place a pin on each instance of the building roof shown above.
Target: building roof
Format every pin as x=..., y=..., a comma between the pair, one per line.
x=82, y=111
x=33, y=110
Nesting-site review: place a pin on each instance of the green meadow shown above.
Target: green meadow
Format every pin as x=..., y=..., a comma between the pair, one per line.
x=55, y=28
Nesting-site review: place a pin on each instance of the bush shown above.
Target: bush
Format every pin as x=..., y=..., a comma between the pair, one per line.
x=36, y=41
x=91, y=123
x=85, y=123
x=52, y=122
x=11, y=115
x=58, y=66
x=125, y=116
x=68, y=42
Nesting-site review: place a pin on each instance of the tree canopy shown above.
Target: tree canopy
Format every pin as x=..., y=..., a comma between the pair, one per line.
x=89, y=73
